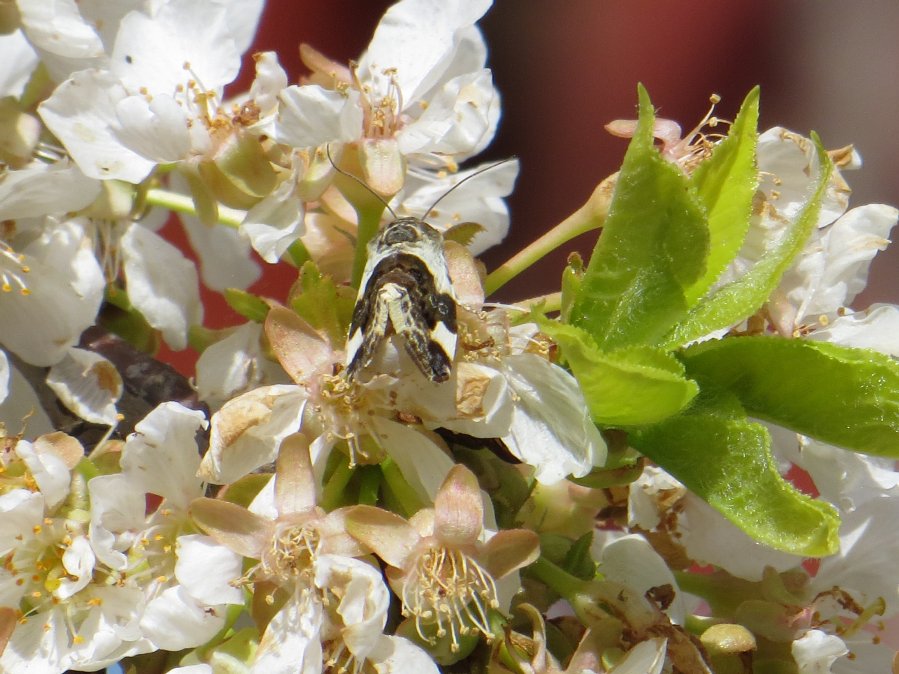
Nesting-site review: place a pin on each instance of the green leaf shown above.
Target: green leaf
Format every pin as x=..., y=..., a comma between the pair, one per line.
x=725, y=459
x=246, y=304
x=324, y=305
x=843, y=396
x=653, y=246
x=625, y=387
x=726, y=183
x=733, y=302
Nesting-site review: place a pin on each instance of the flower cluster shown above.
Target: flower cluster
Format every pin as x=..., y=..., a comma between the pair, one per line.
x=383, y=470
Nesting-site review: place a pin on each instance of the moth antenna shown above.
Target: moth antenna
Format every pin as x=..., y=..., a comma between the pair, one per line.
x=465, y=179
x=361, y=182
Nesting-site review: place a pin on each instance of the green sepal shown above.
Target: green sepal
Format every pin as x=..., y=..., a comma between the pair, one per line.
x=241, y=174
x=653, y=247
x=326, y=306
x=725, y=459
x=246, y=304
x=297, y=254
x=726, y=183
x=603, y=478
x=245, y=489
x=840, y=395
x=626, y=387
x=742, y=297
x=572, y=278
x=463, y=233
x=579, y=560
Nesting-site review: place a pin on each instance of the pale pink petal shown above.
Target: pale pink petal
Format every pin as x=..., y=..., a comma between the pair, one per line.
x=458, y=508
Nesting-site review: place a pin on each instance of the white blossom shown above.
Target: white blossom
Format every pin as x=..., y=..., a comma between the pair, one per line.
x=154, y=98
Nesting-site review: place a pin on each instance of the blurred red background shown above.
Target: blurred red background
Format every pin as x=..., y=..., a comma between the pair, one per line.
x=565, y=69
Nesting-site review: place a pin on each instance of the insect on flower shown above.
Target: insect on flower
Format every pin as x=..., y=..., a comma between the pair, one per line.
x=406, y=291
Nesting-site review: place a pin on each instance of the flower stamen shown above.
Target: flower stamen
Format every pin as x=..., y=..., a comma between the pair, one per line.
x=451, y=590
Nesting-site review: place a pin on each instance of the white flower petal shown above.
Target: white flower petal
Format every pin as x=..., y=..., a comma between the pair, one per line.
x=275, y=222
x=247, y=431
x=155, y=129
x=632, y=561
x=788, y=166
x=833, y=267
x=45, y=189
x=291, y=643
x=225, y=258
x=459, y=120
x=21, y=511
x=118, y=512
x=730, y=548
x=39, y=646
x=161, y=455
x=65, y=286
x=243, y=19
x=484, y=403
x=479, y=200
x=81, y=113
x=419, y=39
x=174, y=620
x=88, y=385
x=310, y=116
x=269, y=81
x=234, y=365
x=162, y=284
x=152, y=51
x=868, y=549
x=59, y=28
x=202, y=668
x=876, y=328
x=816, y=651
x=396, y=655
x=49, y=471
x=551, y=426
x=24, y=405
x=78, y=560
x=421, y=461
x=4, y=376
x=19, y=62
x=206, y=569
x=647, y=657
x=364, y=600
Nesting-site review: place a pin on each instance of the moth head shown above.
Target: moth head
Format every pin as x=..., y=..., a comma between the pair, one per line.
x=404, y=232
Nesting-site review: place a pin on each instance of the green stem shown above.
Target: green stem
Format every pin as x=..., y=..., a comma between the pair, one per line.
x=369, y=223
x=333, y=493
x=402, y=491
x=369, y=484
x=557, y=579
x=182, y=203
x=546, y=303
x=588, y=217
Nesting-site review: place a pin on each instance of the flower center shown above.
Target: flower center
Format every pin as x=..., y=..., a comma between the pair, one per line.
x=344, y=406
x=381, y=101
x=452, y=592
x=291, y=554
x=38, y=569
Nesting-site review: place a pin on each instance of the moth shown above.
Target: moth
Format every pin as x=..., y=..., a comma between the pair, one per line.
x=405, y=291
